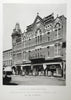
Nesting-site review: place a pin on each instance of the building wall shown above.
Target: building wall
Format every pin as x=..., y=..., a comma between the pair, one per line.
x=42, y=39
x=48, y=42
x=7, y=58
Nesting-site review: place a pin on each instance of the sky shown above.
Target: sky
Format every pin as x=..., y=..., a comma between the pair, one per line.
x=25, y=15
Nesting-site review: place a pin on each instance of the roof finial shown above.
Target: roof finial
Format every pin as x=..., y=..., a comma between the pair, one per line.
x=17, y=26
x=37, y=13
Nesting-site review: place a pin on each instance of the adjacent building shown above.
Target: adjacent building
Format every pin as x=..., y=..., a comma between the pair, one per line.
x=41, y=49
x=7, y=58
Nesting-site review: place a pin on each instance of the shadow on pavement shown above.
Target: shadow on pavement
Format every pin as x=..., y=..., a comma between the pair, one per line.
x=10, y=84
x=6, y=81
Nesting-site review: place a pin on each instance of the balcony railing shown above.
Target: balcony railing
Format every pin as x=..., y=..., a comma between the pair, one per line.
x=36, y=57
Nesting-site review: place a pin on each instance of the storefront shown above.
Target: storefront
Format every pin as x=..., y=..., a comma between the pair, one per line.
x=47, y=69
x=54, y=69
x=26, y=69
x=37, y=69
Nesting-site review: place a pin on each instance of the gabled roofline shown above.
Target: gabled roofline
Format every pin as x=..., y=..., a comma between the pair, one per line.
x=41, y=19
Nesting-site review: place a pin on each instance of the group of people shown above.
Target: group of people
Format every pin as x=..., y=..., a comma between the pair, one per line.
x=35, y=72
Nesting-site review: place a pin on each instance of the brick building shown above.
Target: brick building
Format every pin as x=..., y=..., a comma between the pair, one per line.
x=7, y=58
x=41, y=48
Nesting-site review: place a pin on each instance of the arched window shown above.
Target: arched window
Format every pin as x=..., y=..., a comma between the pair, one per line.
x=57, y=29
x=57, y=25
x=38, y=34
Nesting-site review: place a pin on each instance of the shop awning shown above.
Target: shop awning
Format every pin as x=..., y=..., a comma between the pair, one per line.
x=8, y=69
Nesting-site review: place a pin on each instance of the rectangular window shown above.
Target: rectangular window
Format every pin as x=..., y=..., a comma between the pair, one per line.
x=40, y=38
x=56, y=50
x=48, y=38
x=48, y=50
x=57, y=33
x=19, y=55
x=59, y=49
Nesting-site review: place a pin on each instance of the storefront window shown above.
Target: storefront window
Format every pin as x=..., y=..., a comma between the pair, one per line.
x=48, y=51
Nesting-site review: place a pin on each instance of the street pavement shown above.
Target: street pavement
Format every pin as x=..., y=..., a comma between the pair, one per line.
x=36, y=80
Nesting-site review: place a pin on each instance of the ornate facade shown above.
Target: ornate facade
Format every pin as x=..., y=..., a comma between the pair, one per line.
x=42, y=47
